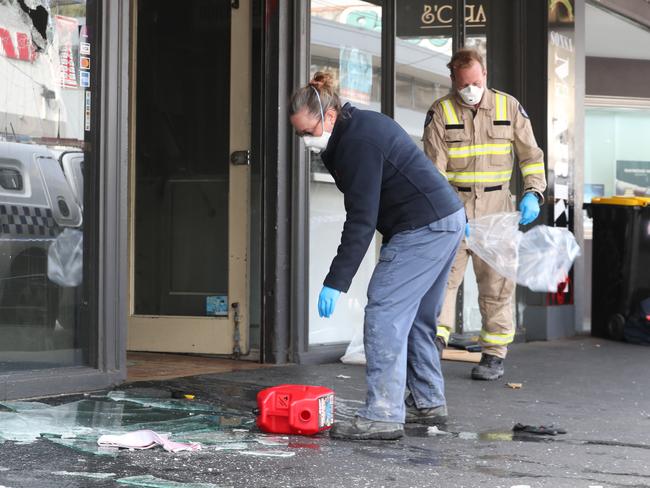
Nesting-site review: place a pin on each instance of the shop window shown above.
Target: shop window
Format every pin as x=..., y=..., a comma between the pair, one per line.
x=47, y=69
x=617, y=152
x=345, y=41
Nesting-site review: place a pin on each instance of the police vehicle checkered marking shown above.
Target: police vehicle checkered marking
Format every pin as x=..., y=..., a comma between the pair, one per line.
x=23, y=220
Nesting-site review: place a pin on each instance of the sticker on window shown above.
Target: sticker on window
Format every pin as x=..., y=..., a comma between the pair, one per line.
x=216, y=305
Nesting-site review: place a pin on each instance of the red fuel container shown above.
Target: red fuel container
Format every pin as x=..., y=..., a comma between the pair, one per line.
x=295, y=409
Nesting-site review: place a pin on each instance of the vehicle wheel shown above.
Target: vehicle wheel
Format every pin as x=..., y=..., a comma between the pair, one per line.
x=616, y=326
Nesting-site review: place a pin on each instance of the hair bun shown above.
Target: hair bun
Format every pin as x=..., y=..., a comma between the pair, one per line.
x=323, y=81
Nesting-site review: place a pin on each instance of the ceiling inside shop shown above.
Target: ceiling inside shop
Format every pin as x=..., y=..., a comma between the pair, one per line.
x=610, y=36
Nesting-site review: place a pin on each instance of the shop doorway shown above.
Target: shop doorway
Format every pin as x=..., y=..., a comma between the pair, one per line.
x=190, y=178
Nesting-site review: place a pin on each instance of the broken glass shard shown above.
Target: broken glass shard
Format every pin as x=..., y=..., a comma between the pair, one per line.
x=82, y=474
x=78, y=424
x=149, y=481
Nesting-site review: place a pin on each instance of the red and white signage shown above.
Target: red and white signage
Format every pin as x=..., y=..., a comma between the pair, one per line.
x=16, y=45
x=66, y=28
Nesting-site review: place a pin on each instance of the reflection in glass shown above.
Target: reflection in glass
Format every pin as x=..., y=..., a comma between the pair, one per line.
x=422, y=77
x=345, y=41
x=46, y=68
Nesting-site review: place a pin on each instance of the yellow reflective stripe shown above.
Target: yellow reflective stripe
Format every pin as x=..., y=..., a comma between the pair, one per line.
x=499, y=339
x=532, y=169
x=450, y=113
x=501, y=107
x=479, y=150
x=443, y=332
x=479, y=176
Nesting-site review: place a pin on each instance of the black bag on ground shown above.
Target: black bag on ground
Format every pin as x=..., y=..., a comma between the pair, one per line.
x=637, y=326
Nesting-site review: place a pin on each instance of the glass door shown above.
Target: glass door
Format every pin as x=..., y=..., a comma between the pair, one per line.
x=190, y=178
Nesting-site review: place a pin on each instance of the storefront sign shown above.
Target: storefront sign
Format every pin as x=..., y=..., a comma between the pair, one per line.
x=421, y=18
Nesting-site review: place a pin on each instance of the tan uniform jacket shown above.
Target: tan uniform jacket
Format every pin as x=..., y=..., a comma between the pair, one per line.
x=476, y=151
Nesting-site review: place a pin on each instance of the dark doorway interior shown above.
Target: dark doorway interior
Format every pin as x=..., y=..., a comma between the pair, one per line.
x=182, y=146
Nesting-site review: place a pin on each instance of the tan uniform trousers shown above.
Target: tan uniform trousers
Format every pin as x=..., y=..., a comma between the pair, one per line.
x=495, y=293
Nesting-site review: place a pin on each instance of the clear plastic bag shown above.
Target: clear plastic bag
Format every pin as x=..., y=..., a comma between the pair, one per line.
x=539, y=259
x=65, y=259
x=355, y=353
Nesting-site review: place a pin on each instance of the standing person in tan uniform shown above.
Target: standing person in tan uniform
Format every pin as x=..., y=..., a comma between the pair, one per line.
x=473, y=135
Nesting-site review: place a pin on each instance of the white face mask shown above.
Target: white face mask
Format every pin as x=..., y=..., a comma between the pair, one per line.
x=317, y=144
x=471, y=94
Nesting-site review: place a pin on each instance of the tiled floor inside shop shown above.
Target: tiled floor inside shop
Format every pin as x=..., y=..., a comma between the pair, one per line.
x=149, y=366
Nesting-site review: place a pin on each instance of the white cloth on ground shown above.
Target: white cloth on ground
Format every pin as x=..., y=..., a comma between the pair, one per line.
x=146, y=439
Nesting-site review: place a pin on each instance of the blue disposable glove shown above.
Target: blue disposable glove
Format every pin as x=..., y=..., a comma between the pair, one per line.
x=327, y=301
x=529, y=208
x=467, y=229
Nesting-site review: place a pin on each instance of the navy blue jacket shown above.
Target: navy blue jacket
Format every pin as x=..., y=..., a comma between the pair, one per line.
x=388, y=183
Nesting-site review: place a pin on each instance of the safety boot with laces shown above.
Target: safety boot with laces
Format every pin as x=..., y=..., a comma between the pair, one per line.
x=424, y=416
x=488, y=369
x=361, y=428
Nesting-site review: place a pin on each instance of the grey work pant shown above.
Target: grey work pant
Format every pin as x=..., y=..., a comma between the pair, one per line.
x=405, y=295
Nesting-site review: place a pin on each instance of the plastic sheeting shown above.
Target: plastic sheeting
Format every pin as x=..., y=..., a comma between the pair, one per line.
x=539, y=259
x=355, y=353
x=65, y=259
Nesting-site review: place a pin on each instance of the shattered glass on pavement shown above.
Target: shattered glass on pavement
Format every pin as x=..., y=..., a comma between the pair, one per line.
x=78, y=424
x=269, y=453
x=162, y=403
x=149, y=481
x=82, y=474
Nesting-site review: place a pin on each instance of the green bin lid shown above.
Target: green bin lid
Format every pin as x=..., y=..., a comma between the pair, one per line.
x=622, y=200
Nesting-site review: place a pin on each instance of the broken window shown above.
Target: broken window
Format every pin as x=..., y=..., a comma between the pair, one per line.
x=47, y=66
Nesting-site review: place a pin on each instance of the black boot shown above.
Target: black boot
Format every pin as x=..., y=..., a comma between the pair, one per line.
x=424, y=416
x=440, y=345
x=490, y=368
x=362, y=429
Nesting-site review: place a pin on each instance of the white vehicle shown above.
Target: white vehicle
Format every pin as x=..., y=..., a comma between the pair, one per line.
x=37, y=202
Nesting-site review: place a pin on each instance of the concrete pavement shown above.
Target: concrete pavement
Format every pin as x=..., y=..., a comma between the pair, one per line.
x=598, y=390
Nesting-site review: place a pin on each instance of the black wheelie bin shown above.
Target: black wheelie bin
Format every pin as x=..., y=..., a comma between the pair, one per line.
x=621, y=266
